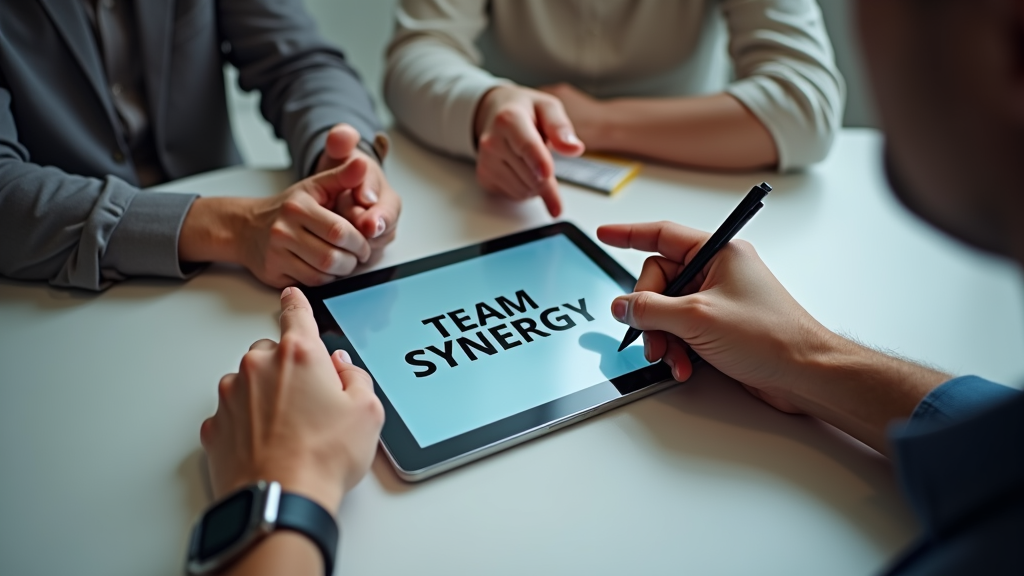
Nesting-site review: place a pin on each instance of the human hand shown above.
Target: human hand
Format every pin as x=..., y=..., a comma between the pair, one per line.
x=373, y=207
x=584, y=111
x=295, y=237
x=294, y=414
x=513, y=127
x=737, y=316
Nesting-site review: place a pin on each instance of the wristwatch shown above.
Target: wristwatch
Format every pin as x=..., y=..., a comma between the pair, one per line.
x=235, y=524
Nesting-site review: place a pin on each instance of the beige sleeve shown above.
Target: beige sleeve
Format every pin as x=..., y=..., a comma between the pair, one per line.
x=786, y=75
x=433, y=80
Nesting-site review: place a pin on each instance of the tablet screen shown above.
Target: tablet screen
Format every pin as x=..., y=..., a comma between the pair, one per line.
x=465, y=345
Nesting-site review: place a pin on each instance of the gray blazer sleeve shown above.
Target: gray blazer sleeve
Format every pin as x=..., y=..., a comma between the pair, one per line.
x=80, y=232
x=306, y=84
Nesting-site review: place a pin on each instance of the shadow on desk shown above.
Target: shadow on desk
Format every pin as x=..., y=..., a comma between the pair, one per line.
x=711, y=419
x=235, y=285
x=711, y=428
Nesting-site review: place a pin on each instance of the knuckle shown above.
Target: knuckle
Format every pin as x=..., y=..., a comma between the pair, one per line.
x=376, y=411
x=744, y=247
x=505, y=118
x=486, y=144
x=225, y=386
x=336, y=233
x=328, y=260
x=639, y=305
x=698, y=308
x=280, y=231
x=294, y=347
x=250, y=362
x=206, y=432
x=292, y=206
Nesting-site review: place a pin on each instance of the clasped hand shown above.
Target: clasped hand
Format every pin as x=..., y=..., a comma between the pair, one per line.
x=317, y=230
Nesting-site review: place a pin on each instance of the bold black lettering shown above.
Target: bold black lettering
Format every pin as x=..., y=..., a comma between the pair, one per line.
x=582, y=309
x=522, y=300
x=410, y=358
x=483, y=312
x=565, y=321
x=447, y=354
x=436, y=321
x=484, y=345
x=503, y=337
x=526, y=325
x=460, y=321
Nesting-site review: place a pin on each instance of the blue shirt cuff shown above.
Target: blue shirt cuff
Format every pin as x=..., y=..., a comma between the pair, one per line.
x=959, y=398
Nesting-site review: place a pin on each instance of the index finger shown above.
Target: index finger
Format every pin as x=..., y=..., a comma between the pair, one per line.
x=672, y=240
x=526, y=142
x=327, y=185
x=549, y=193
x=297, y=315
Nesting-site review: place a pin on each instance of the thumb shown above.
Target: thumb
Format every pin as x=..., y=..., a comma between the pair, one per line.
x=341, y=141
x=556, y=127
x=353, y=378
x=653, y=311
x=327, y=185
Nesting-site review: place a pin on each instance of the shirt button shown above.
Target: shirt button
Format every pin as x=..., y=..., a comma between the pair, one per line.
x=117, y=156
x=115, y=88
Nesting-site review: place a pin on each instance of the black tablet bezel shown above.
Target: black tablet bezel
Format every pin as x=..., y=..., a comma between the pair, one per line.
x=401, y=444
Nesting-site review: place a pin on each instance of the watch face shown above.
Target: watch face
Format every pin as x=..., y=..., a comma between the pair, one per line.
x=225, y=523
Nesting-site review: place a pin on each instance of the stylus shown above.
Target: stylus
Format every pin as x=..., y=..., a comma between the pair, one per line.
x=742, y=214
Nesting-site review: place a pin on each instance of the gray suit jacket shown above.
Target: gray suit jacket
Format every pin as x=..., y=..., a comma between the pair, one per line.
x=70, y=208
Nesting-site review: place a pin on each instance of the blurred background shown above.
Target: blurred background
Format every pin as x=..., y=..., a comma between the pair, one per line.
x=362, y=28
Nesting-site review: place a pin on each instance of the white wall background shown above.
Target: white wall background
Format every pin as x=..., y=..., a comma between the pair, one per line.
x=363, y=27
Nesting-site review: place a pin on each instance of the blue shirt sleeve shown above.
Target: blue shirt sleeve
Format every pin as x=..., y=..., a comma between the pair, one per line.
x=960, y=459
x=958, y=398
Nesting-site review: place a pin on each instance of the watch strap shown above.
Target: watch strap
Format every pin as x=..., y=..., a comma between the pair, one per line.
x=302, y=515
x=370, y=150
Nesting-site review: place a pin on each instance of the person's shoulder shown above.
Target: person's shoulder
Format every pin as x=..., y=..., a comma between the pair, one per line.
x=987, y=544
x=963, y=474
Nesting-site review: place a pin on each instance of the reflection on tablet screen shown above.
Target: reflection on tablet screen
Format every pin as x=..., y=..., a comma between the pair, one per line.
x=466, y=345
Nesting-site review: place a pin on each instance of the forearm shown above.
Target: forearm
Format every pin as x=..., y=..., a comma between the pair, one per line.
x=82, y=232
x=714, y=131
x=434, y=91
x=859, y=390
x=305, y=83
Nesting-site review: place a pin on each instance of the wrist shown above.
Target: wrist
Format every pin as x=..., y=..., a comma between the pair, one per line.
x=602, y=128
x=211, y=230
x=859, y=390
x=308, y=481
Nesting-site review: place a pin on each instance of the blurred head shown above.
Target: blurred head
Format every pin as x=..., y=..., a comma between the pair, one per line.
x=948, y=80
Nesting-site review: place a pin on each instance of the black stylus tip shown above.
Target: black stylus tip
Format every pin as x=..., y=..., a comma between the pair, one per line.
x=629, y=338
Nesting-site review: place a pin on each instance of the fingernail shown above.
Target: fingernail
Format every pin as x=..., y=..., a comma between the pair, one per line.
x=647, y=349
x=370, y=196
x=286, y=292
x=381, y=226
x=568, y=136
x=619, y=307
x=345, y=357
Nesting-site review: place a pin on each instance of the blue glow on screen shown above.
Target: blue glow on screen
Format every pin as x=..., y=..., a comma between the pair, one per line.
x=565, y=354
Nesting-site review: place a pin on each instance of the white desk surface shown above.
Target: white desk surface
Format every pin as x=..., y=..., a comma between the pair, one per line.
x=101, y=398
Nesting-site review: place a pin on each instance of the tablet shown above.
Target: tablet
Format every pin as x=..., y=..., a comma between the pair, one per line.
x=482, y=348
